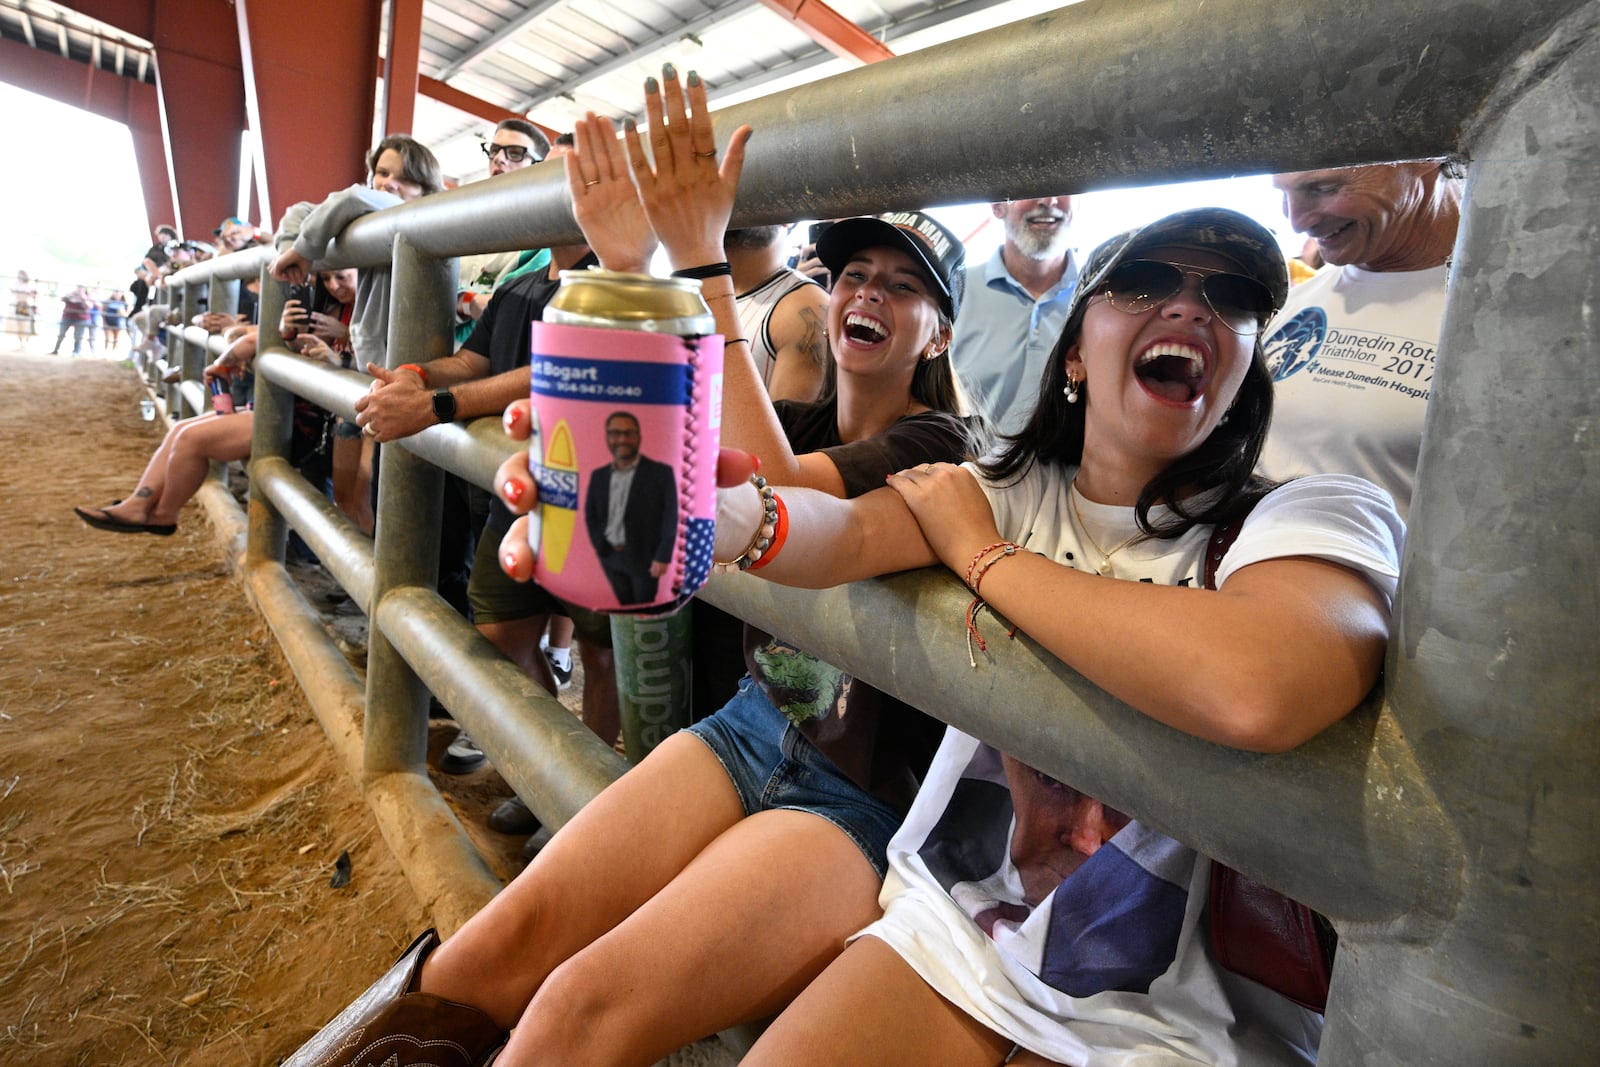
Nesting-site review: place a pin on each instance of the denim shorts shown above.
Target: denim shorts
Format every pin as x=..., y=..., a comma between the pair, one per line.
x=776, y=767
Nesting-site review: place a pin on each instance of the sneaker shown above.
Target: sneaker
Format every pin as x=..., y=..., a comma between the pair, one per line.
x=463, y=756
x=563, y=674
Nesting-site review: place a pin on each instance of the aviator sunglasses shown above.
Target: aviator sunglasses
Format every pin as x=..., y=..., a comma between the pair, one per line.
x=1240, y=303
x=514, y=153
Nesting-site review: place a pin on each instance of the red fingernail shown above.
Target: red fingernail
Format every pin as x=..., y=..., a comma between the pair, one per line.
x=510, y=561
x=755, y=459
x=513, y=492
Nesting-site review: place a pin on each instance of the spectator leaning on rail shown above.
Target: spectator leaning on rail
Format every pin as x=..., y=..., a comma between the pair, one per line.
x=1025, y=921
x=1016, y=305
x=1352, y=352
x=180, y=464
x=400, y=169
x=712, y=880
x=148, y=273
x=515, y=145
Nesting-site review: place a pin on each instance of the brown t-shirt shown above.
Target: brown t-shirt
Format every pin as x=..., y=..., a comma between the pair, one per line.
x=881, y=744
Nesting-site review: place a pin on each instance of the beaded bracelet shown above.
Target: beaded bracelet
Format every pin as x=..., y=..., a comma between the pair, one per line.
x=710, y=270
x=765, y=530
x=780, y=534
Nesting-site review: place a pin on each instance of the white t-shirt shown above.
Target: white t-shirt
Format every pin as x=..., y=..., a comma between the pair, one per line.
x=1112, y=969
x=1352, y=358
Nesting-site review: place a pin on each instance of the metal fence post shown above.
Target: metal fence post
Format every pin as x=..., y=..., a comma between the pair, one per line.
x=1493, y=671
x=406, y=546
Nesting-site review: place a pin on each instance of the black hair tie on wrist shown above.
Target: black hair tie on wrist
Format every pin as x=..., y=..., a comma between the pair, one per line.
x=710, y=270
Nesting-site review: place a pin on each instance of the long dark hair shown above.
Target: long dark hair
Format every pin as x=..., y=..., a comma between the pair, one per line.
x=1224, y=462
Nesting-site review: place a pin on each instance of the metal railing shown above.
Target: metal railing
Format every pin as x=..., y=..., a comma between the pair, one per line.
x=1448, y=826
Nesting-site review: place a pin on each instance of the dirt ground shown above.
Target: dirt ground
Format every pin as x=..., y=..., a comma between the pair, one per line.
x=170, y=812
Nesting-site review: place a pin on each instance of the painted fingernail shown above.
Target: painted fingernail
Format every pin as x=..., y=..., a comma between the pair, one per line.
x=755, y=463
x=629, y=125
x=652, y=86
x=509, y=561
x=668, y=70
x=512, y=491
x=694, y=79
x=509, y=419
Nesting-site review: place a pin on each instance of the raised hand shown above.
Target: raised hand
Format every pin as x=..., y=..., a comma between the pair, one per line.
x=687, y=196
x=604, y=200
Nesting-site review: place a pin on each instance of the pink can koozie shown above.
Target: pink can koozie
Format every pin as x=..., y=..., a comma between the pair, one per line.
x=626, y=426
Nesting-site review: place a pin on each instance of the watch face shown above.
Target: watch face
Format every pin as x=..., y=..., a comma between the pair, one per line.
x=444, y=405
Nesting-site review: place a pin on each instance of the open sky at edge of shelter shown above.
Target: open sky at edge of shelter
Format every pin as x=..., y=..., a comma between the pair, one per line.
x=70, y=205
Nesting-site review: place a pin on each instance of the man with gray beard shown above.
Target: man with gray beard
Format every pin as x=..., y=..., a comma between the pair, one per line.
x=1014, y=309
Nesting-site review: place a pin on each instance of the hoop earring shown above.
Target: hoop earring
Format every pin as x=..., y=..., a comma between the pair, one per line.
x=1071, y=391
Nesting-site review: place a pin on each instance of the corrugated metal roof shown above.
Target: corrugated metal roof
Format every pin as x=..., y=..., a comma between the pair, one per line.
x=52, y=28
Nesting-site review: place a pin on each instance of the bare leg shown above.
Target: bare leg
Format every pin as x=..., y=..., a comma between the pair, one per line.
x=518, y=641
x=185, y=456
x=601, y=708
x=561, y=630
x=352, y=482
x=746, y=926
x=871, y=1007
x=617, y=853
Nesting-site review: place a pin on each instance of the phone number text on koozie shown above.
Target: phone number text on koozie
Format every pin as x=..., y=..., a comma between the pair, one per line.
x=587, y=379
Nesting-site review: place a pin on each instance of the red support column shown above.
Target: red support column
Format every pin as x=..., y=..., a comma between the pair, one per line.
x=310, y=72
x=403, y=66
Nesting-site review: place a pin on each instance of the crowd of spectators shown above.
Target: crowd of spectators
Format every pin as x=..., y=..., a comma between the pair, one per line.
x=1129, y=397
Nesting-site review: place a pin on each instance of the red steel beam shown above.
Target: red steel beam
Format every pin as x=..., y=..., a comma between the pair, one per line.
x=434, y=89
x=832, y=30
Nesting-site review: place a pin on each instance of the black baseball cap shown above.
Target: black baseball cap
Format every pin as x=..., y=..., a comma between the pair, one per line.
x=919, y=236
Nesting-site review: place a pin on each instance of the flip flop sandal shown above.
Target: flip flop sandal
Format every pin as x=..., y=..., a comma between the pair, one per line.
x=101, y=520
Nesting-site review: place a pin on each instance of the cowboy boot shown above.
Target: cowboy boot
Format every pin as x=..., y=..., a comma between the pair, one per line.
x=390, y=1025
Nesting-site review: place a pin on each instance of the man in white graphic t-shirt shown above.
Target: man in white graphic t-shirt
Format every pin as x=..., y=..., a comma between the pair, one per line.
x=1353, y=351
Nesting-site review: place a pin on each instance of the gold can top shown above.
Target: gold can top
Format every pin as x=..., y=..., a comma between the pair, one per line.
x=619, y=301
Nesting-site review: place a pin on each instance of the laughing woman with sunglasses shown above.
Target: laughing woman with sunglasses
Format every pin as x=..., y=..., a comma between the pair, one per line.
x=1024, y=921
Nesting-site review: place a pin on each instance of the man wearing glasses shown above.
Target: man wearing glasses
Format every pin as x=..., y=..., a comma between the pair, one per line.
x=515, y=144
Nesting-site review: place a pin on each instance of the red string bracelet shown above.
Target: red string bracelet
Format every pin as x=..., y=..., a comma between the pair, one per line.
x=981, y=566
x=984, y=551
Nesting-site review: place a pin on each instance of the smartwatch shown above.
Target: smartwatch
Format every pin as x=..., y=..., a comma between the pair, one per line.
x=444, y=405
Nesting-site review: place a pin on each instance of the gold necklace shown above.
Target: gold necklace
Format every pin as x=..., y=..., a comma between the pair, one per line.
x=1105, y=570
